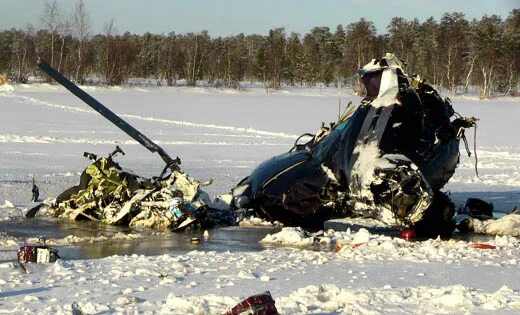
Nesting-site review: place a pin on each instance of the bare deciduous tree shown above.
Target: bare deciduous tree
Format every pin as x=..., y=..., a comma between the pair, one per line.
x=51, y=19
x=64, y=31
x=108, y=65
x=80, y=27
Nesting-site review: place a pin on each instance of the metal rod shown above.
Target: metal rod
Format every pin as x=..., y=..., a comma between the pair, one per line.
x=173, y=164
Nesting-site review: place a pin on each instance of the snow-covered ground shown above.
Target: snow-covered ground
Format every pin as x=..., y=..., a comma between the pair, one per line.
x=223, y=134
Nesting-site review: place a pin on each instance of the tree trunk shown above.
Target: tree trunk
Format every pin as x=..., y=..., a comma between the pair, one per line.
x=19, y=66
x=469, y=75
x=52, y=48
x=78, y=66
x=448, y=70
x=192, y=76
x=510, y=79
x=61, y=53
x=169, y=72
x=486, y=88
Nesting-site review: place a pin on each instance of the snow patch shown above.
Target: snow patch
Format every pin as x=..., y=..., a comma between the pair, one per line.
x=293, y=236
x=506, y=225
x=7, y=88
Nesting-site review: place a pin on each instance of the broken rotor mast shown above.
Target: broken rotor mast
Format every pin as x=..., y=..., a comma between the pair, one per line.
x=171, y=163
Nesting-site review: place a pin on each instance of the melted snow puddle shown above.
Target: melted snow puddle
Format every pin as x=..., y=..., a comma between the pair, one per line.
x=88, y=240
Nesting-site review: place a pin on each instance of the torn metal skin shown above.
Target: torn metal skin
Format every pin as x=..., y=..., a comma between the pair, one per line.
x=386, y=158
x=108, y=194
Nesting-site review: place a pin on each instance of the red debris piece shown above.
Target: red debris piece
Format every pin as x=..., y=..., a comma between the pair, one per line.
x=483, y=246
x=407, y=234
x=260, y=304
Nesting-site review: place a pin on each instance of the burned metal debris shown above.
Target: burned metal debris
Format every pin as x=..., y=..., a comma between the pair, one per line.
x=386, y=158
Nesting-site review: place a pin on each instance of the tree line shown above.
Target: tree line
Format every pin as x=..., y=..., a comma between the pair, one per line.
x=453, y=53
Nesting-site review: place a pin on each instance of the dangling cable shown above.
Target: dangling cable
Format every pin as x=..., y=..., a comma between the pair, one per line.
x=475, y=148
x=463, y=136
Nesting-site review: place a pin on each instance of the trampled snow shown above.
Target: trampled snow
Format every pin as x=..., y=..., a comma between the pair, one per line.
x=224, y=134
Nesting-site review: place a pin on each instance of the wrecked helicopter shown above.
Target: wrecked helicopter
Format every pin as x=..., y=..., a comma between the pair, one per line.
x=386, y=158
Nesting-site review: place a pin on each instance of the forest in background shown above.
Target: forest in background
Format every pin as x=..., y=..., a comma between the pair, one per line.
x=452, y=53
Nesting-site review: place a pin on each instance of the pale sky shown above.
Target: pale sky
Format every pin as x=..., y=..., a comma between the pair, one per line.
x=230, y=17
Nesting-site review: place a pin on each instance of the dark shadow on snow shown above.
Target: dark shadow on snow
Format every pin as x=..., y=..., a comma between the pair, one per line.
x=503, y=201
x=7, y=294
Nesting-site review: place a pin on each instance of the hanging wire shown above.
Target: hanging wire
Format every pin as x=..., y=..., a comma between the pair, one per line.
x=466, y=145
x=475, y=148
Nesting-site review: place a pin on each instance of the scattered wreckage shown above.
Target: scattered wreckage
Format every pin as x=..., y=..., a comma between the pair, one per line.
x=109, y=194
x=36, y=253
x=386, y=158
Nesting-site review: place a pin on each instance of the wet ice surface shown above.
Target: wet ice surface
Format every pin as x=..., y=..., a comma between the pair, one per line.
x=88, y=240
x=224, y=134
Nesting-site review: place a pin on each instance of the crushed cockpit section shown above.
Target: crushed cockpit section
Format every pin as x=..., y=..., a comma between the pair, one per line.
x=386, y=158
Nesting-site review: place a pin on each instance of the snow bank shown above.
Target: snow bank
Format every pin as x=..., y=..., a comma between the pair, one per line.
x=451, y=252
x=7, y=214
x=331, y=299
x=255, y=221
x=325, y=299
x=6, y=88
x=301, y=282
x=506, y=225
x=293, y=236
x=363, y=246
x=7, y=241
